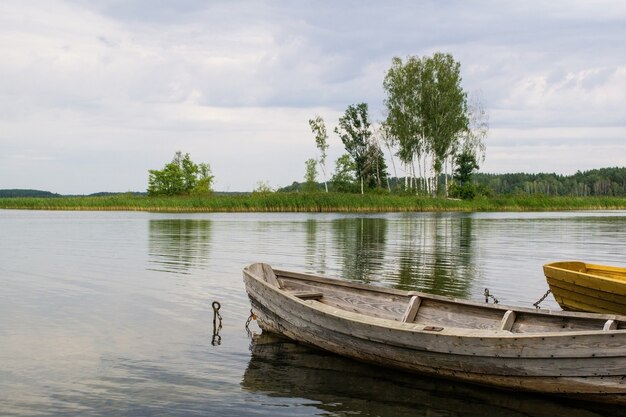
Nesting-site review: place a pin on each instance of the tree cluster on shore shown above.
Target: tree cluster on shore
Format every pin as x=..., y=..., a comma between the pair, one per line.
x=431, y=126
x=429, y=123
x=182, y=176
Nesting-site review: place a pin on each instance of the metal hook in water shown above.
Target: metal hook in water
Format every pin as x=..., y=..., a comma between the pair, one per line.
x=488, y=295
x=217, y=339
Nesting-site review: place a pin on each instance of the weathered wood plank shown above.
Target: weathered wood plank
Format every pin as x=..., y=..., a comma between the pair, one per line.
x=450, y=314
x=507, y=321
x=270, y=276
x=308, y=295
x=375, y=304
x=411, y=310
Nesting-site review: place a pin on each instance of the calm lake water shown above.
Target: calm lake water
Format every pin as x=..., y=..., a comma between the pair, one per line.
x=109, y=313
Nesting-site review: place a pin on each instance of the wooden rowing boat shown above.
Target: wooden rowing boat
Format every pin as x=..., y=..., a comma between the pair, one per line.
x=579, y=286
x=563, y=353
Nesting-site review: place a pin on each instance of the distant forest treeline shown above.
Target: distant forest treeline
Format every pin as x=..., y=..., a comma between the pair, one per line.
x=597, y=182
x=48, y=194
x=27, y=193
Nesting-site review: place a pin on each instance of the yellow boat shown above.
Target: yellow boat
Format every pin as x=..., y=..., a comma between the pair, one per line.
x=580, y=286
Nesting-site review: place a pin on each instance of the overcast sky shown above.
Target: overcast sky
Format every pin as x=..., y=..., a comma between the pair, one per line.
x=93, y=94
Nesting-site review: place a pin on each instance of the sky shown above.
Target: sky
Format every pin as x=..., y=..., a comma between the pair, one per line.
x=93, y=94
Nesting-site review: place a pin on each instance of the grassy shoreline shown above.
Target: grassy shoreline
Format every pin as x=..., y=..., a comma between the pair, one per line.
x=316, y=202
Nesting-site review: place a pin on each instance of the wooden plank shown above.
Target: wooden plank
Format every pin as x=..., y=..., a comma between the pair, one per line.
x=411, y=310
x=308, y=295
x=270, y=276
x=375, y=304
x=336, y=282
x=451, y=314
x=507, y=321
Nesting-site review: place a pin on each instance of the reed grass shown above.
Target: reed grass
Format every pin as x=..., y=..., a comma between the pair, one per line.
x=314, y=202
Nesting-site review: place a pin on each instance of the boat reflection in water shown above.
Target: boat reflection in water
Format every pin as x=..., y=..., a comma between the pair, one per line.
x=339, y=386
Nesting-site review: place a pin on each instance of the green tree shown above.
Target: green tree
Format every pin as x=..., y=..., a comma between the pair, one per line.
x=466, y=164
x=445, y=110
x=204, y=181
x=263, y=187
x=385, y=136
x=462, y=186
x=355, y=133
x=343, y=178
x=427, y=112
x=404, y=123
x=318, y=127
x=375, y=169
x=310, y=184
x=181, y=177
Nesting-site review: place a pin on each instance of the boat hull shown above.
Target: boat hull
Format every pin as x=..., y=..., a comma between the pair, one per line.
x=578, y=286
x=499, y=362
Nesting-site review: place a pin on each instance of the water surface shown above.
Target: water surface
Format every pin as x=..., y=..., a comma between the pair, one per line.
x=109, y=313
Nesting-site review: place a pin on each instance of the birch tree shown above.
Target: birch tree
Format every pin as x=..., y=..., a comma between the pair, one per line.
x=427, y=112
x=375, y=168
x=444, y=108
x=473, y=140
x=385, y=136
x=318, y=127
x=404, y=120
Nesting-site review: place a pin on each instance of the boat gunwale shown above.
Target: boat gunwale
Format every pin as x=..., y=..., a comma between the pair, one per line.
x=552, y=266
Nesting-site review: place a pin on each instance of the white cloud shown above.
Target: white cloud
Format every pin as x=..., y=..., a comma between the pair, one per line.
x=117, y=87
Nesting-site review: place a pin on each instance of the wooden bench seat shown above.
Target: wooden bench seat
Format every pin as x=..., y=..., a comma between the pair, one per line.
x=308, y=295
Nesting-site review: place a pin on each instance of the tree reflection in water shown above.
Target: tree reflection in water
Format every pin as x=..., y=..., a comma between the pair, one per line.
x=178, y=245
x=431, y=253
